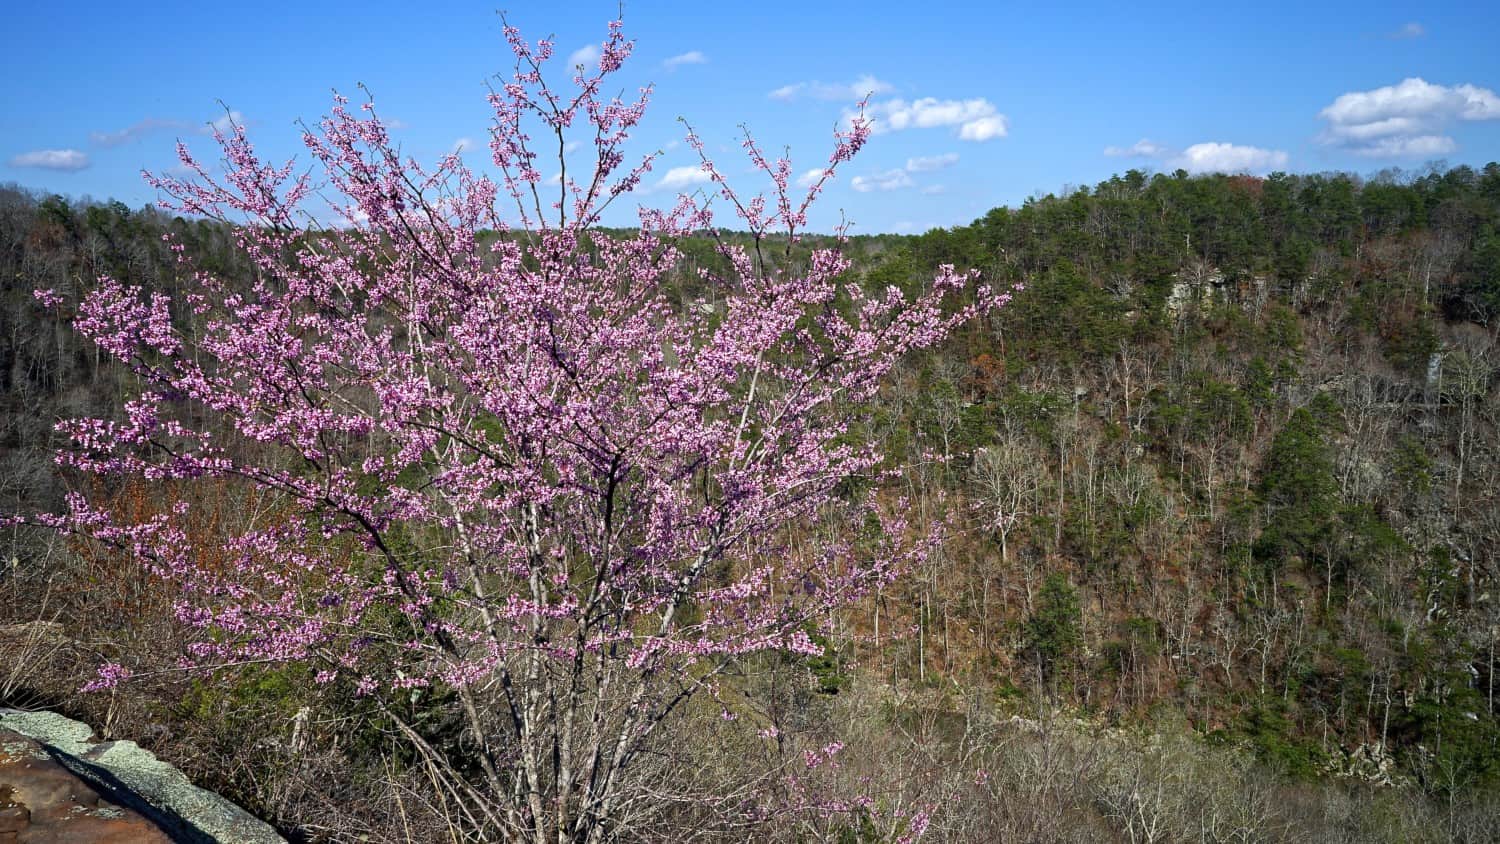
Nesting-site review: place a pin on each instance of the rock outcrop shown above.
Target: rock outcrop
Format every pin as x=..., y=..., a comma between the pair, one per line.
x=58, y=785
x=43, y=801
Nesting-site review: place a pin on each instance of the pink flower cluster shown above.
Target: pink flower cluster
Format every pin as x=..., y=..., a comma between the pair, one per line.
x=499, y=446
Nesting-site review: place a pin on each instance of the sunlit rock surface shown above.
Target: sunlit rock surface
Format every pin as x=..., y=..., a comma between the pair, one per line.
x=57, y=785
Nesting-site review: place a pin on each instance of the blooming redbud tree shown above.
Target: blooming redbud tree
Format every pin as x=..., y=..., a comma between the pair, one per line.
x=508, y=458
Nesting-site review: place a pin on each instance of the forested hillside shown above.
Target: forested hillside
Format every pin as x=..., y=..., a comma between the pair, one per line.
x=1248, y=428
x=1224, y=471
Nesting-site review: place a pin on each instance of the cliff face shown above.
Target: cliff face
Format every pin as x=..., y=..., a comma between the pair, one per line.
x=57, y=785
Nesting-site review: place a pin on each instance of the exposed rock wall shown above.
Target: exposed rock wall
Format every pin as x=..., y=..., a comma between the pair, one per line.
x=58, y=785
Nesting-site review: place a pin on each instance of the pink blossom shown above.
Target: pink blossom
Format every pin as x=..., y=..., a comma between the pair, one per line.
x=110, y=674
x=508, y=457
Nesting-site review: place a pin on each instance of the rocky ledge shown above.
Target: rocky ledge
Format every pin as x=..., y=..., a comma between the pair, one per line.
x=58, y=785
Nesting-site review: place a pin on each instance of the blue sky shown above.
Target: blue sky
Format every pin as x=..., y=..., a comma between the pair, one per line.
x=981, y=104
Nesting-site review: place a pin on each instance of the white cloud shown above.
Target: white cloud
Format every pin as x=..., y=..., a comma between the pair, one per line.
x=985, y=129
x=1387, y=127
x=225, y=123
x=52, y=159
x=924, y=163
x=1415, y=146
x=806, y=180
x=463, y=145
x=926, y=113
x=679, y=178
x=1406, y=31
x=1207, y=157
x=690, y=57
x=900, y=177
x=1406, y=119
x=133, y=132
x=889, y=180
x=587, y=55
x=1214, y=157
x=863, y=86
x=1416, y=98
x=1144, y=148
x=977, y=119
